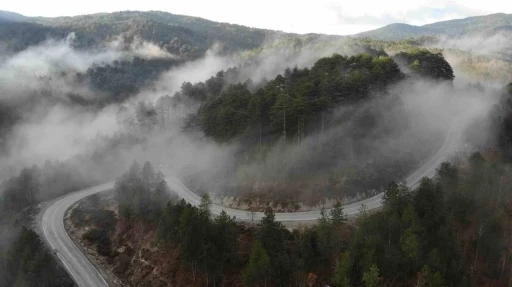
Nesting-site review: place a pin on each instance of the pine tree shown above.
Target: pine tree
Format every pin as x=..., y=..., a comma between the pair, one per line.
x=371, y=277
x=258, y=268
x=342, y=271
x=337, y=215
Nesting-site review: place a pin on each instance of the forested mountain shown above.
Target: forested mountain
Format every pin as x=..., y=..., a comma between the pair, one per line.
x=483, y=25
x=302, y=96
x=302, y=107
x=334, y=119
x=450, y=231
x=11, y=16
x=28, y=262
x=235, y=37
x=192, y=36
x=181, y=35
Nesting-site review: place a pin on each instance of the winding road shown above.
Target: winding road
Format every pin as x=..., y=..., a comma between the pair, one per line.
x=85, y=274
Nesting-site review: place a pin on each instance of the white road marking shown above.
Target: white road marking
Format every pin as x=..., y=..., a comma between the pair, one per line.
x=453, y=137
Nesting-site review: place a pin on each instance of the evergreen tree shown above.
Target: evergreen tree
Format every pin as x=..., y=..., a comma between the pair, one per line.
x=258, y=269
x=338, y=218
x=371, y=277
x=343, y=271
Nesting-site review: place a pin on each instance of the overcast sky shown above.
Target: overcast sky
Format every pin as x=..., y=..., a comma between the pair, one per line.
x=318, y=16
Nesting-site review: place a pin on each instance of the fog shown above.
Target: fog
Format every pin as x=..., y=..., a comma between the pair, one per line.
x=39, y=78
x=480, y=44
x=480, y=58
x=409, y=124
x=51, y=65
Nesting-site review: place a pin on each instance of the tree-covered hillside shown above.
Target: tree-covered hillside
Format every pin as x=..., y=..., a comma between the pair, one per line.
x=425, y=64
x=18, y=36
x=314, y=124
x=291, y=103
x=180, y=35
x=482, y=25
x=11, y=16
x=451, y=231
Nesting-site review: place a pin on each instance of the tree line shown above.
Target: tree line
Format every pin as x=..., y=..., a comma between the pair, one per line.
x=285, y=111
x=450, y=231
x=26, y=261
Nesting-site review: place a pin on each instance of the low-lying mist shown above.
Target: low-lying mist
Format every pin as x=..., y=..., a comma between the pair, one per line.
x=406, y=124
x=367, y=146
x=55, y=129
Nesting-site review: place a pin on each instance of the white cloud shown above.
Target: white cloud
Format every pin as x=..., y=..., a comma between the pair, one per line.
x=320, y=16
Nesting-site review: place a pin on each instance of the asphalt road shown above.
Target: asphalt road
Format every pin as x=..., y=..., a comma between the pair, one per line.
x=52, y=224
x=85, y=274
x=428, y=169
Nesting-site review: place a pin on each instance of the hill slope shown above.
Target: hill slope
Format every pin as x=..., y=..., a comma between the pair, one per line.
x=11, y=16
x=183, y=35
x=480, y=25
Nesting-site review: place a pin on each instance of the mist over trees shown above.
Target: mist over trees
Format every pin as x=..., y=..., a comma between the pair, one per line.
x=450, y=231
x=185, y=36
x=139, y=190
x=293, y=109
x=426, y=64
x=123, y=79
x=295, y=101
x=27, y=262
x=502, y=119
x=333, y=128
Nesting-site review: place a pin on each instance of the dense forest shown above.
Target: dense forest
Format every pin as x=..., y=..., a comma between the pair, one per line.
x=489, y=25
x=123, y=79
x=293, y=109
x=328, y=127
x=26, y=261
x=295, y=103
x=181, y=35
x=292, y=103
x=451, y=231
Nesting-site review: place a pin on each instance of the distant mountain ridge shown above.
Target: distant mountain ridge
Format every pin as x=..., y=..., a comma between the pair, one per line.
x=11, y=16
x=191, y=37
x=182, y=35
x=480, y=25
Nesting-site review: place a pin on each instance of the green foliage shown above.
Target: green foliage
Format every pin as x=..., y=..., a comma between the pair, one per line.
x=430, y=279
x=28, y=262
x=396, y=196
x=291, y=103
x=480, y=25
x=22, y=191
x=20, y=35
x=273, y=237
x=413, y=240
x=399, y=240
x=424, y=63
x=337, y=215
x=371, y=277
x=204, y=206
x=206, y=244
x=448, y=176
x=122, y=79
x=141, y=192
x=226, y=116
x=343, y=271
x=225, y=237
x=325, y=235
x=258, y=268
x=181, y=35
